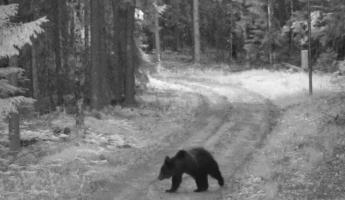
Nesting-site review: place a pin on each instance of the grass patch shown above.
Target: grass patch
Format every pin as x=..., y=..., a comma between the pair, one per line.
x=305, y=155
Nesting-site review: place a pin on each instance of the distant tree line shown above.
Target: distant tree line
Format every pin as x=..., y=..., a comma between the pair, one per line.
x=258, y=31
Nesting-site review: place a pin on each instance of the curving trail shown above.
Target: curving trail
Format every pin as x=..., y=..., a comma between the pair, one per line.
x=232, y=123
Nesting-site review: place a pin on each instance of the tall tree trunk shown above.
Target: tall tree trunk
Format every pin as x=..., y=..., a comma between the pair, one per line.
x=177, y=39
x=98, y=65
x=95, y=35
x=290, y=32
x=124, y=52
x=34, y=72
x=34, y=67
x=157, y=38
x=309, y=52
x=196, y=31
x=119, y=48
x=86, y=60
x=58, y=48
x=117, y=69
x=77, y=67
x=245, y=36
x=217, y=34
x=130, y=52
x=231, y=31
x=82, y=71
x=269, y=30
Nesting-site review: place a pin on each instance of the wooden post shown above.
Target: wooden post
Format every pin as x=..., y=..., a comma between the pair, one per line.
x=304, y=59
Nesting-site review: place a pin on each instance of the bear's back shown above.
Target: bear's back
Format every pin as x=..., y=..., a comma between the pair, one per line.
x=201, y=156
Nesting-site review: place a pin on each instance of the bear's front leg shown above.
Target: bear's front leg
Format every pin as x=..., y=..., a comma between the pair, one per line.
x=176, y=181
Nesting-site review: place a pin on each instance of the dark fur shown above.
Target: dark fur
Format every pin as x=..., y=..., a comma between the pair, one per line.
x=196, y=162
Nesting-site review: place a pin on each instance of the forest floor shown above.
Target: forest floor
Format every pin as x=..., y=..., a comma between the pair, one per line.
x=271, y=140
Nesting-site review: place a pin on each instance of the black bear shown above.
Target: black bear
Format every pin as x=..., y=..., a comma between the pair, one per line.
x=196, y=162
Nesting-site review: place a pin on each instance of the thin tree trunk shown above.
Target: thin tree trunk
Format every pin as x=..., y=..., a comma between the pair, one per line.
x=99, y=96
x=196, y=31
x=34, y=72
x=130, y=48
x=290, y=32
x=95, y=54
x=217, y=33
x=58, y=48
x=122, y=53
x=177, y=38
x=86, y=60
x=13, y=118
x=118, y=75
x=309, y=53
x=157, y=38
x=231, y=31
x=78, y=70
x=34, y=68
x=269, y=27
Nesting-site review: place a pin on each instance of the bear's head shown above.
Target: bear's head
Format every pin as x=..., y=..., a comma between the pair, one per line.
x=168, y=169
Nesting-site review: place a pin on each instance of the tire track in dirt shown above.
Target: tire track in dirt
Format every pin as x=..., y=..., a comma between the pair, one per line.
x=242, y=132
x=232, y=131
x=134, y=183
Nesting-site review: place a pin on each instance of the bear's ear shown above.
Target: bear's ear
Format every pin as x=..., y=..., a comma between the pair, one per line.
x=181, y=154
x=167, y=159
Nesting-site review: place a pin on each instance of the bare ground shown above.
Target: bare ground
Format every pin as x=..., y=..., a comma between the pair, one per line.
x=231, y=125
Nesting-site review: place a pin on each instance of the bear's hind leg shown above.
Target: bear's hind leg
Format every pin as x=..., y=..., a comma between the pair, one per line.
x=176, y=181
x=202, y=183
x=217, y=175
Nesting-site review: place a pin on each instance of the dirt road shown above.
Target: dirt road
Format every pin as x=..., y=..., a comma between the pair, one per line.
x=232, y=124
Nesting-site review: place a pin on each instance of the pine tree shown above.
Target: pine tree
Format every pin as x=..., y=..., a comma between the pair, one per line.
x=196, y=31
x=13, y=36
